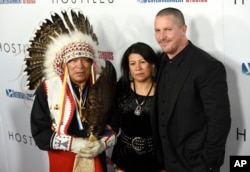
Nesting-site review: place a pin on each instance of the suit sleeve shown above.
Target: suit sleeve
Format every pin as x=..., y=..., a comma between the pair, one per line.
x=214, y=94
x=40, y=120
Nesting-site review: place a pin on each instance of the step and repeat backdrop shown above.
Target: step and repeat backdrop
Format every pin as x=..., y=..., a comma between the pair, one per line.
x=221, y=27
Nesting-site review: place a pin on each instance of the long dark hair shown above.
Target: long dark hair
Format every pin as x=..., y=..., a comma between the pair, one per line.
x=142, y=49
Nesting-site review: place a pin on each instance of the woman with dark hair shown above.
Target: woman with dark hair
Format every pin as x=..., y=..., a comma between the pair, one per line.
x=131, y=115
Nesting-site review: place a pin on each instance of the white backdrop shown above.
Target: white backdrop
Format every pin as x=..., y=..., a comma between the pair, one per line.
x=220, y=27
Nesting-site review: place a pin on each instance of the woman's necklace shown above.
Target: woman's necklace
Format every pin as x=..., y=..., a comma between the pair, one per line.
x=138, y=108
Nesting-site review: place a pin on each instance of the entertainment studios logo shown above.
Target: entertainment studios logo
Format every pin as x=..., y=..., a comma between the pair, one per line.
x=239, y=163
x=171, y=1
x=245, y=67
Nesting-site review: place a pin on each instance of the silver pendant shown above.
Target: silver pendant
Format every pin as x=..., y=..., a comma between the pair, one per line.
x=137, y=111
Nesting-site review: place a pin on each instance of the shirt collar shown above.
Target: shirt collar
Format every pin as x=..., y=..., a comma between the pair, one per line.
x=179, y=57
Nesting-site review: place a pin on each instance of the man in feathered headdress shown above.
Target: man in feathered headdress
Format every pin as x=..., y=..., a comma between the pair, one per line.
x=71, y=106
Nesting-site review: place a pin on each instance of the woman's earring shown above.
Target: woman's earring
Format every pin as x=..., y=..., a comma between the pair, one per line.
x=153, y=73
x=130, y=77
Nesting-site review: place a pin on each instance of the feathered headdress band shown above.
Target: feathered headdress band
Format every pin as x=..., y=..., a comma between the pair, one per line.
x=56, y=42
x=65, y=48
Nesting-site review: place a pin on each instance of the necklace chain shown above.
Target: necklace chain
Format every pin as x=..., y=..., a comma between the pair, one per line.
x=138, y=108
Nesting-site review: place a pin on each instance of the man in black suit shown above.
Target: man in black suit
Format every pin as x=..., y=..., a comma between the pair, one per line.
x=192, y=106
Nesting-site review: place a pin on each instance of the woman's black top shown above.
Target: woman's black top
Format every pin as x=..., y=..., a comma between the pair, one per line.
x=134, y=150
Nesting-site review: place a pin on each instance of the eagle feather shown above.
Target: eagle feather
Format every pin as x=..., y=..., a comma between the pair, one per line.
x=99, y=101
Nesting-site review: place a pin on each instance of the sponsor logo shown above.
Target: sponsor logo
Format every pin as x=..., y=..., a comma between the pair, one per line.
x=239, y=2
x=11, y=48
x=83, y=1
x=17, y=1
x=106, y=55
x=21, y=138
x=14, y=94
x=171, y=1
x=245, y=67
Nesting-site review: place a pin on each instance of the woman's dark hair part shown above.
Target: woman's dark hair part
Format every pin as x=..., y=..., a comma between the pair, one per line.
x=138, y=48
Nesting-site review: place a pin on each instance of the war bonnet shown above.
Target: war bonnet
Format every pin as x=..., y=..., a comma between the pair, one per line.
x=56, y=42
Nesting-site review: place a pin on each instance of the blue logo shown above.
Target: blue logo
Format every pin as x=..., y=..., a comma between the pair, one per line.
x=245, y=67
x=142, y=1
x=10, y=1
x=14, y=94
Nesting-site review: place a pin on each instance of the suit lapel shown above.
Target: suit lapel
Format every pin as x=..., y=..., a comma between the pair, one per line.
x=181, y=77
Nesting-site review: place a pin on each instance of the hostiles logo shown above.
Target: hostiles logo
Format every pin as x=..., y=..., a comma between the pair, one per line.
x=245, y=67
x=239, y=163
x=83, y=1
x=14, y=94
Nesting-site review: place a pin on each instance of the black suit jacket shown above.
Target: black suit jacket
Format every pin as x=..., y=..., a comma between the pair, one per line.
x=192, y=133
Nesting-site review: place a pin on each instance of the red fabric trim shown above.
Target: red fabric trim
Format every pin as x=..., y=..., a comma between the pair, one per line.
x=45, y=88
x=69, y=97
x=61, y=161
x=72, y=107
x=98, y=164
